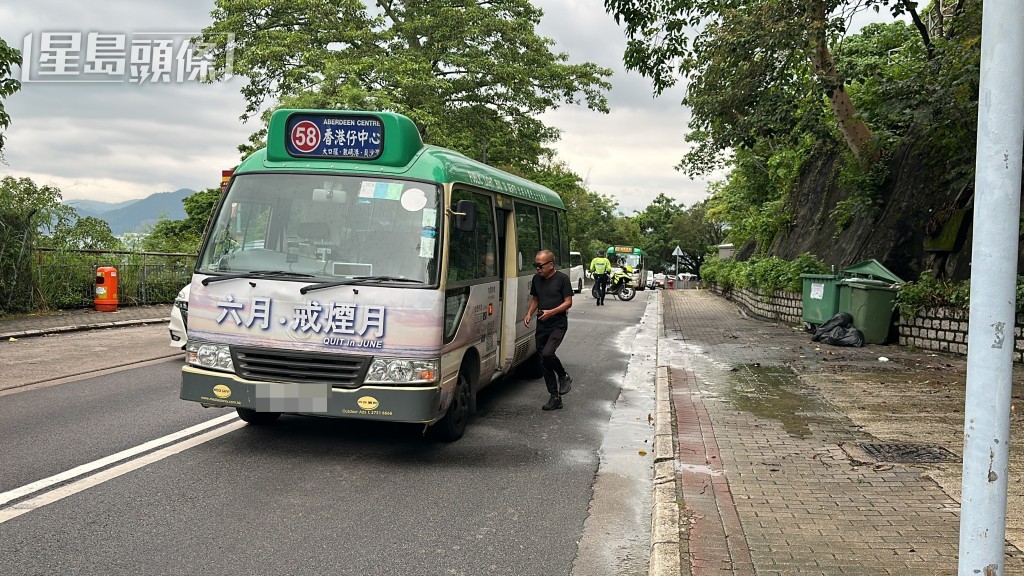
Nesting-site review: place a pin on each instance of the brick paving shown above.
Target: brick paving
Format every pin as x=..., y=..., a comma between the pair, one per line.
x=766, y=487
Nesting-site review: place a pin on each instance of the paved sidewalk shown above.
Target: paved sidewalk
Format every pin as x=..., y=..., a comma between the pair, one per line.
x=25, y=325
x=764, y=476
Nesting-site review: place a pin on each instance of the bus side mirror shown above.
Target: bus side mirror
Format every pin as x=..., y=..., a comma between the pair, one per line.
x=465, y=216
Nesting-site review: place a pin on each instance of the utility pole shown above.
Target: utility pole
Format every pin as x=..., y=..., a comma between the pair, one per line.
x=993, y=290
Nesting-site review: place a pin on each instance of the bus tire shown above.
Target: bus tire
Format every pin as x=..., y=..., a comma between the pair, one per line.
x=626, y=293
x=452, y=426
x=257, y=418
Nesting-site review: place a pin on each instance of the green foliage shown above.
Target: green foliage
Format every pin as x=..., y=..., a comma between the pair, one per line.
x=26, y=212
x=805, y=263
x=769, y=275
x=751, y=203
x=591, y=216
x=862, y=183
x=930, y=292
x=755, y=71
x=183, y=236
x=696, y=235
x=8, y=85
x=659, y=240
x=719, y=271
x=473, y=76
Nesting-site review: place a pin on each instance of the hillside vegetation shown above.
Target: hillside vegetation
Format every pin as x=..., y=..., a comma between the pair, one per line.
x=847, y=146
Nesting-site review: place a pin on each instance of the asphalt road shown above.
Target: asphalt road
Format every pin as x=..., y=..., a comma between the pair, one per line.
x=525, y=492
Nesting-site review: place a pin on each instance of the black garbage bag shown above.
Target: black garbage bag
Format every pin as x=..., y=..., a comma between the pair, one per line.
x=844, y=336
x=843, y=319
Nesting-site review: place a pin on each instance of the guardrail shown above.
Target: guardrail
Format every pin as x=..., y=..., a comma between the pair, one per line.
x=64, y=279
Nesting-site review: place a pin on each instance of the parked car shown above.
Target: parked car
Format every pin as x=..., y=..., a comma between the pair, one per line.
x=659, y=280
x=178, y=326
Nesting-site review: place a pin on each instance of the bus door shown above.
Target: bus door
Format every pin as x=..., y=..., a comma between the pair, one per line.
x=473, y=271
x=509, y=272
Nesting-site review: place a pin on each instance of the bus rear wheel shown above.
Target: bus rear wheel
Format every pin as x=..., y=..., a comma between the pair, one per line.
x=453, y=425
x=257, y=418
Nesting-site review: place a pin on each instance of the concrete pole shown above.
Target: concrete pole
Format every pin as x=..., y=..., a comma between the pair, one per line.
x=991, y=333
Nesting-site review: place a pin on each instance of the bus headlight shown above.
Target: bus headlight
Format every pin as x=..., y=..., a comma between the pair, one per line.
x=402, y=371
x=209, y=355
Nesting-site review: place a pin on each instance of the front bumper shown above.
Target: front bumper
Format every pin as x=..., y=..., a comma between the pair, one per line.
x=391, y=403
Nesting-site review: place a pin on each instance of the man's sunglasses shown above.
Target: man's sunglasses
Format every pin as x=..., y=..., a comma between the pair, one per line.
x=539, y=265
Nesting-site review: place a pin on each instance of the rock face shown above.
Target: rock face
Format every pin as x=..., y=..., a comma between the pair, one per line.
x=918, y=220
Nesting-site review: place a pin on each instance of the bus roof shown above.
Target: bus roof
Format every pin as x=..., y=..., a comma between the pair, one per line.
x=383, y=143
x=626, y=250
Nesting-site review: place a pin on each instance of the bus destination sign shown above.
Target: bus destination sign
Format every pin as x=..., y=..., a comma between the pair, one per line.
x=347, y=137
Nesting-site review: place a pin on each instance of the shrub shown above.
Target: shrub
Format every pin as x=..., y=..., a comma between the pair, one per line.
x=927, y=292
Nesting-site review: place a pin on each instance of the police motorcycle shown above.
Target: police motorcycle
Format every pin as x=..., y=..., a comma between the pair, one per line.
x=620, y=285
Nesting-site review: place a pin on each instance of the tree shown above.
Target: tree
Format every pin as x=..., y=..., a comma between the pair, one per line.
x=755, y=70
x=655, y=223
x=85, y=233
x=696, y=235
x=184, y=236
x=473, y=76
x=25, y=210
x=8, y=85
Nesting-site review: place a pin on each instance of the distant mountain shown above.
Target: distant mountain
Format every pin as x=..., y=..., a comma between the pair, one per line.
x=95, y=207
x=136, y=215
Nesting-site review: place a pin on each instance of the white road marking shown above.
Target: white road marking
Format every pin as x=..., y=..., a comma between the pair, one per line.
x=124, y=454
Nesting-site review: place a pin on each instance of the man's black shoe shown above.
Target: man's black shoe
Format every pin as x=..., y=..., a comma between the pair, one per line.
x=554, y=403
x=564, y=384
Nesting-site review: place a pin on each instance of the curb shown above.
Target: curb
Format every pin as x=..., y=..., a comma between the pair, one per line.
x=665, y=541
x=82, y=327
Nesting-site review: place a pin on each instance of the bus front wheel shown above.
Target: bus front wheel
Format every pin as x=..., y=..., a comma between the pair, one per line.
x=453, y=425
x=257, y=418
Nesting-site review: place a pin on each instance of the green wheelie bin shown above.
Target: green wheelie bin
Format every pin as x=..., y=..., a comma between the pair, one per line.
x=820, y=297
x=868, y=293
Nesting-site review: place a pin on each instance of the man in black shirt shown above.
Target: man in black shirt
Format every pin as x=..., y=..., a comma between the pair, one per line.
x=551, y=293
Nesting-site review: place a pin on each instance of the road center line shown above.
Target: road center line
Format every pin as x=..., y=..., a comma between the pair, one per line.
x=111, y=473
x=106, y=461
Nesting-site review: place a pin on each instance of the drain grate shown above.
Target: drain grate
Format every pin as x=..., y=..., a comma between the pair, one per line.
x=911, y=453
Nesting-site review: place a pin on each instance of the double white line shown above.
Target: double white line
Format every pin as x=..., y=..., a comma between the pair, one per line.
x=221, y=426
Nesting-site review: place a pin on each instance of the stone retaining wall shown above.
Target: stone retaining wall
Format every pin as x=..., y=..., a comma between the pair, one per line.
x=939, y=329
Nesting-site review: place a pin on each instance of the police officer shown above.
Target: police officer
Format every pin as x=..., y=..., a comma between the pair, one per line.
x=601, y=269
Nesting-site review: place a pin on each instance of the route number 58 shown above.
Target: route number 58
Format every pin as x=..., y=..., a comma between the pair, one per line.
x=305, y=136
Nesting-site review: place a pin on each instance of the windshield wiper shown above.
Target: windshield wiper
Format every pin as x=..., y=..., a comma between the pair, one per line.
x=256, y=274
x=356, y=280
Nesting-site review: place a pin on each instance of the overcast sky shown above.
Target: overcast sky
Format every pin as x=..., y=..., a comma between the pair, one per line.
x=121, y=140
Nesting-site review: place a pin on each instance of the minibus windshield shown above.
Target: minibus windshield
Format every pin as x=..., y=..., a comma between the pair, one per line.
x=326, y=228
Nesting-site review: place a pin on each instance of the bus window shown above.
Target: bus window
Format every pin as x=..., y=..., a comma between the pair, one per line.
x=563, y=231
x=471, y=255
x=527, y=236
x=327, y=228
x=549, y=234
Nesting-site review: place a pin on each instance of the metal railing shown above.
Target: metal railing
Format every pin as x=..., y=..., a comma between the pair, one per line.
x=64, y=279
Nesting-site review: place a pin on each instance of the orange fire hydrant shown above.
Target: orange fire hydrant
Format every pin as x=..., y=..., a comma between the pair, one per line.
x=106, y=289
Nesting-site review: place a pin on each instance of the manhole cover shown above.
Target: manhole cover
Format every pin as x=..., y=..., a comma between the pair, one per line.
x=909, y=453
